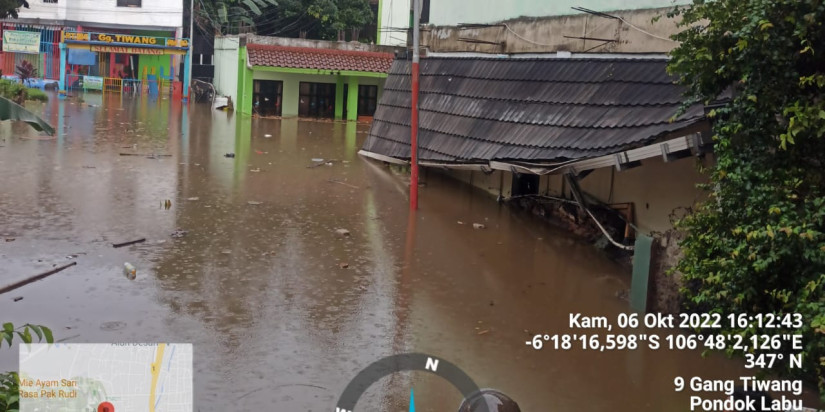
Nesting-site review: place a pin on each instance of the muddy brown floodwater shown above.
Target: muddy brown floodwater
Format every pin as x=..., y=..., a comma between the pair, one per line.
x=257, y=283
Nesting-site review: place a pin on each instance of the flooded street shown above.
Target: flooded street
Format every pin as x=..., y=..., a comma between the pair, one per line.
x=283, y=311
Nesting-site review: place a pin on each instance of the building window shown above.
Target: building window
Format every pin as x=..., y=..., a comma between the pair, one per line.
x=267, y=96
x=128, y=3
x=49, y=1
x=367, y=100
x=316, y=100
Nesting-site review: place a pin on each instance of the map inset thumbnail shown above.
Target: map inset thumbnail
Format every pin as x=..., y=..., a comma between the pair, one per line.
x=127, y=377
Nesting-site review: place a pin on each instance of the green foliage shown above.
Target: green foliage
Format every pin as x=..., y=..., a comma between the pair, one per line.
x=9, y=8
x=319, y=19
x=36, y=94
x=9, y=392
x=354, y=14
x=26, y=71
x=9, y=381
x=16, y=92
x=25, y=333
x=757, y=245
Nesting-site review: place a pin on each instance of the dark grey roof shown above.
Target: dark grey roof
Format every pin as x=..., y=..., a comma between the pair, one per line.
x=482, y=109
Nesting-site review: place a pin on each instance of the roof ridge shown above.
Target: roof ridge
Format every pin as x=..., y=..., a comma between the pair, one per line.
x=276, y=47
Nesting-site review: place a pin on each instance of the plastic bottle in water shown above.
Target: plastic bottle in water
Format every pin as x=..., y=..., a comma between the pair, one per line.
x=129, y=271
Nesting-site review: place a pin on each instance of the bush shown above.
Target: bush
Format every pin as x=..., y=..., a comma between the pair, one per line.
x=757, y=246
x=13, y=90
x=36, y=94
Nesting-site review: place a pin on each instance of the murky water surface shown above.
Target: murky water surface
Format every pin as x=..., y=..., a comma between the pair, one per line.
x=258, y=282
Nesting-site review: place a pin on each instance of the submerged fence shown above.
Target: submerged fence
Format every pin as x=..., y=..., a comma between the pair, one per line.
x=123, y=86
x=46, y=61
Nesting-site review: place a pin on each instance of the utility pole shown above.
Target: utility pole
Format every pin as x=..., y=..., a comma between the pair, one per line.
x=414, y=121
x=188, y=84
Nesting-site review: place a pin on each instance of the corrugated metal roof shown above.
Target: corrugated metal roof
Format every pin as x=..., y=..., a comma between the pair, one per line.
x=483, y=109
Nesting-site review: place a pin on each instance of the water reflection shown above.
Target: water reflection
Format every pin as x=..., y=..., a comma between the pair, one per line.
x=258, y=282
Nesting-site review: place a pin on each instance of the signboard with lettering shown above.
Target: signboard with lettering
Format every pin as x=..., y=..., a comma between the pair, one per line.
x=21, y=41
x=93, y=82
x=127, y=50
x=76, y=37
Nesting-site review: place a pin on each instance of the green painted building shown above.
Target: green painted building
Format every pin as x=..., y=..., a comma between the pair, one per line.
x=304, y=78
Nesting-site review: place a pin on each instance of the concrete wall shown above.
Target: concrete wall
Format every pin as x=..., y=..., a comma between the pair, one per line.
x=156, y=14
x=454, y=12
x=446, y=14
x=655, y=189
x=547, y=34
x=293, y=80
x=226, y=67
x=315, y=44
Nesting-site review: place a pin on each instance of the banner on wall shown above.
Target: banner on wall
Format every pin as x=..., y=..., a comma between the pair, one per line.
x=127, y=50
x=21, y=41
x=92, y=83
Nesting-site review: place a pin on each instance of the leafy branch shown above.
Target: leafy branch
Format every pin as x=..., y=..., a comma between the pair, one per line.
x=24, y=333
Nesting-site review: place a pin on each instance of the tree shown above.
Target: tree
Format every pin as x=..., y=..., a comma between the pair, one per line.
x=9, y=8
x=354, y=14
x=229, y=16
x=757, y=246
x=317, y=19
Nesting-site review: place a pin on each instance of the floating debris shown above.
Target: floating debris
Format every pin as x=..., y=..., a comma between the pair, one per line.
x=342, y=232
x=193, y=198
x=253, y=202
x=179, y=233
x=131, y=242
x=129, y=271
x=478, y=226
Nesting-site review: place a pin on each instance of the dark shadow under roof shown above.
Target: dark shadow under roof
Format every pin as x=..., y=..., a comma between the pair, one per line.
x=536, y=110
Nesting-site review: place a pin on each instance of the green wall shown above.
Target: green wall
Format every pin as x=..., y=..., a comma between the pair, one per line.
x=156, y=62
x=292, y=81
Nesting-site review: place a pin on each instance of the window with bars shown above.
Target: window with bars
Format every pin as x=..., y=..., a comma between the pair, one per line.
x=367, y=100
x=316, y=100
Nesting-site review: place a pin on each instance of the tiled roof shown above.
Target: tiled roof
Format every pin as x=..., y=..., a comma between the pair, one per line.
x=323, y=59
x=539, y=110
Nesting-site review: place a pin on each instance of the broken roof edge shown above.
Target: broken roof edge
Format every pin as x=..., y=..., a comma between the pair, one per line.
x=692, y=141
x=549, y=56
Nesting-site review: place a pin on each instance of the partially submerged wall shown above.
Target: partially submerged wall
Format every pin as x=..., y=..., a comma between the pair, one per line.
x=657, y=189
